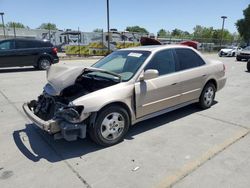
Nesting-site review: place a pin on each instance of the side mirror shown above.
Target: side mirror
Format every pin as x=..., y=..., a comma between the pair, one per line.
x=149, y=74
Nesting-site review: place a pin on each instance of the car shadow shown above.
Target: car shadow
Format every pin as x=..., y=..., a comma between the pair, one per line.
x=10, y=70
x=35, y=144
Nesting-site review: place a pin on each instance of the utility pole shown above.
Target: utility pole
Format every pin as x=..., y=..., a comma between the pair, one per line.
x=108, y=26
x=49, y=33
x=222, y=28
x=2, y=13
x=102, y=42
x=14, y=28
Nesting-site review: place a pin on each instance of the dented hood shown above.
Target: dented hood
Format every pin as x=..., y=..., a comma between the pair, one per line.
x=62, y=76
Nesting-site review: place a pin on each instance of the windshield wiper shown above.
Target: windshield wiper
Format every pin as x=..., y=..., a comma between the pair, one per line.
x=91, y=69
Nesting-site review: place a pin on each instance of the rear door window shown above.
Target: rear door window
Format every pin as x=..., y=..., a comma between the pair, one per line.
x=162, y=61
x=20, y=44
x=187, y=59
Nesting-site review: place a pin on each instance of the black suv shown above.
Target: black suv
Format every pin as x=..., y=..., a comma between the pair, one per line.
x=27, y=52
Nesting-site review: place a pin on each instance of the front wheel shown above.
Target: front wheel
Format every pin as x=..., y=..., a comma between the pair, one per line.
x=207, y=96
x=111, y=126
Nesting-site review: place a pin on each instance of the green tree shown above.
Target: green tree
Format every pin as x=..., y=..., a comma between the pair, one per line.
x=176, y=32
x=48, y=26
x=136, y=29
x=180, y=33
x=243, y=25
x=227, y=36
x=97, y=30
x=162, y=33
x=15, y=24
x=198, y=30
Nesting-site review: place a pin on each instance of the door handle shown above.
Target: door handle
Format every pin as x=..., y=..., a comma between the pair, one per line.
x=173, y=84
x=204, y=75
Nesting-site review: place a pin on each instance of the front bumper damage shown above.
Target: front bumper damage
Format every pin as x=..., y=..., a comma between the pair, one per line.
x=58, y=128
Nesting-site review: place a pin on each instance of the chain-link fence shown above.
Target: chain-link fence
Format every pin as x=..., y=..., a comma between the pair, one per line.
x=96, y=43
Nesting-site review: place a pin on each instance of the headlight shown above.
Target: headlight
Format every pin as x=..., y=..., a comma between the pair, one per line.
x=72, y=114
x=50, y=89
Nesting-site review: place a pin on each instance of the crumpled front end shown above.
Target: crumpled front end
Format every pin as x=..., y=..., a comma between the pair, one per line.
x=54, y=110
x=55, y=116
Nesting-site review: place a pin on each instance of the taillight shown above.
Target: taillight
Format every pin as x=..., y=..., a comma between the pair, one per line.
x=54, y=50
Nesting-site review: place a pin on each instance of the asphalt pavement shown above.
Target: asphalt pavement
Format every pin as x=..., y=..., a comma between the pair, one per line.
x=184, y=148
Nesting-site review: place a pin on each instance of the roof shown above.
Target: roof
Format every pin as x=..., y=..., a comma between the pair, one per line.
x=156, y=47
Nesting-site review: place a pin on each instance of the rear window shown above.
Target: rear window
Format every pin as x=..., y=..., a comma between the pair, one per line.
x=188, y=58
x=46, y=44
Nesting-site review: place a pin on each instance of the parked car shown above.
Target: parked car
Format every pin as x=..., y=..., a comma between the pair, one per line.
x=244, y=54
x=27, y=52
x=230, y=51
x=125, y=87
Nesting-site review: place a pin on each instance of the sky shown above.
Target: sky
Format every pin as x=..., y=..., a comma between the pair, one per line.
x=151, y=14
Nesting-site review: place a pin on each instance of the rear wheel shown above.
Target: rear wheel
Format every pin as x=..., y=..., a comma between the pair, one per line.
x=233, y=54
x=111, y=126
x=207, y=96
x=44, y=63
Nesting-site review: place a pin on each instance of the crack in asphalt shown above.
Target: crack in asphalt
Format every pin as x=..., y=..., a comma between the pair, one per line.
x=223, y=121
x=51, y=146
x=191, y=167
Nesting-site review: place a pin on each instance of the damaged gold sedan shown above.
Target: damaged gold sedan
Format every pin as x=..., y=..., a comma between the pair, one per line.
x=126, y=87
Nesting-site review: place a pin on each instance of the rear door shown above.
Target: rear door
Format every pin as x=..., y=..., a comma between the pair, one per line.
x=26, y=52
x=192, y=72
x=7, y=53
x=159, y=93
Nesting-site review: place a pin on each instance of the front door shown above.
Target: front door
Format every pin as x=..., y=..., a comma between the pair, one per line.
x=7, y=53
x=159, y=93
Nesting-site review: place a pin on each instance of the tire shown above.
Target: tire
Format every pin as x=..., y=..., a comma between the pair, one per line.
x=207, y=96
x=110, y=127
x=233, y=54
x=238, y=59
x=44, y=63
x=248, y=65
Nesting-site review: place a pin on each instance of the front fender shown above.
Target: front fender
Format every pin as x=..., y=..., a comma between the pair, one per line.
x=122, y=93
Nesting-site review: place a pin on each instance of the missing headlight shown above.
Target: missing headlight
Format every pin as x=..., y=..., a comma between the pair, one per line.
x=71, y=114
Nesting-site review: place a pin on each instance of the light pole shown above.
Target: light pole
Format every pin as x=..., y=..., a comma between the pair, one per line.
x=2, y=13
x=108, y=26
x=222, y=28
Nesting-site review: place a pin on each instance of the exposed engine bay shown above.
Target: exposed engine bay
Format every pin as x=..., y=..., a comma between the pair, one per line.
x=48, y=107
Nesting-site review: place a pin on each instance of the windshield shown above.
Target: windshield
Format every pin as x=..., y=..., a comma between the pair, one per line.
x=124, y=63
